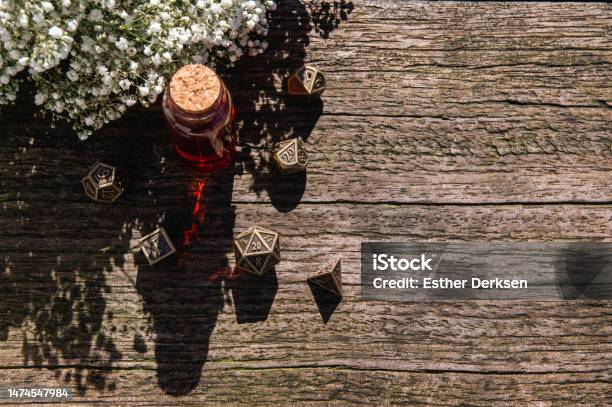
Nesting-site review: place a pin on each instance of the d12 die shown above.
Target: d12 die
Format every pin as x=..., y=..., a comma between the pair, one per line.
x=329, y=279
x=307, y=81
x=290, y=156
x=104, y=183
x=257, y=250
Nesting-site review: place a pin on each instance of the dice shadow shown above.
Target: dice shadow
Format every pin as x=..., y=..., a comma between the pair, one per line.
x=286, y=190
x=253, y=295
x=266, y=114
x=326, y=302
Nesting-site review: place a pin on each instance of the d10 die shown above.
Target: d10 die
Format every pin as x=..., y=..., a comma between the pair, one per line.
x=307, y=82
x=104, y=183
x=257, y=250
x=329, y=279
x=290, y=156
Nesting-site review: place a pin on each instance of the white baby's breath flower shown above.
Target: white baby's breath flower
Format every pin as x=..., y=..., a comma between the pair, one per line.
x=72, y=25
x=130, y=101
x=22, y=20
x=95, y=15
x=154, y=28
x=122, y=44
x=55, y=32
x=47, y=6
x=117, y=53
x=72, y=75
x=39, y=99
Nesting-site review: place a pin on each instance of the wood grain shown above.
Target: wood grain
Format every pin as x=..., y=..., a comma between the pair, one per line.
x=441, y=121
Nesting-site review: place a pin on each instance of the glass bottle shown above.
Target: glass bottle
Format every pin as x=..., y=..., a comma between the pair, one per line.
x=200, y=116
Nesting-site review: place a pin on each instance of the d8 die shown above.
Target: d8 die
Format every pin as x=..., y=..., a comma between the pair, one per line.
x=156, y=246
x=290, y=156
x=329, y=278
x=104, y=183
x=306, y=81
x=257, y=250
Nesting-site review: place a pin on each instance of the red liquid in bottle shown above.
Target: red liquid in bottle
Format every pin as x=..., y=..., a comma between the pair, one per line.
x=200, y=116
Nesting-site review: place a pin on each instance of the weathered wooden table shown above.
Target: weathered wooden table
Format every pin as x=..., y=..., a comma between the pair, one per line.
x=441, y=121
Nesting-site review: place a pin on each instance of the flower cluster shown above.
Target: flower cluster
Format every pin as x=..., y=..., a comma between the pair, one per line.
x=92, y=59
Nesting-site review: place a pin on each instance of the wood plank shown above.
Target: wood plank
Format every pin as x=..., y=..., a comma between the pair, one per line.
x=373, y=159
x=520, y=113
x=189, y=304
x=303, y=386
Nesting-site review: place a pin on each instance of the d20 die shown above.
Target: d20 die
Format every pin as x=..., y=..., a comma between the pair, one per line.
x=257, y=250
x=329, y=279
x=156, y=246
x=104, y=183
x=290, y=156
x=307, y=81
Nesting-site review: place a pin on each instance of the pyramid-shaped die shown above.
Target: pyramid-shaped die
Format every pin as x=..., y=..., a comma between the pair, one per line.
x=257, y=250
x=290, y=156
x=104, y=183
x=329, y=278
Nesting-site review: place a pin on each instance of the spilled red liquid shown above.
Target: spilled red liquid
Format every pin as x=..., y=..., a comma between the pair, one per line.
x=226, y=273
x=197, y=215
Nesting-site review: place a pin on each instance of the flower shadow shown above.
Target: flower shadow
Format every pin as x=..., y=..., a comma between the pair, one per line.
x=54, y=280
x=266, y=112
x=62, y=264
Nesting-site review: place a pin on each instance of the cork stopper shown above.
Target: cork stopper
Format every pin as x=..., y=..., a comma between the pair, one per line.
x=195, y=88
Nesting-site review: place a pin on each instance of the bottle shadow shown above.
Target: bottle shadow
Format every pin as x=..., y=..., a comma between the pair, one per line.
x=182, y=294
